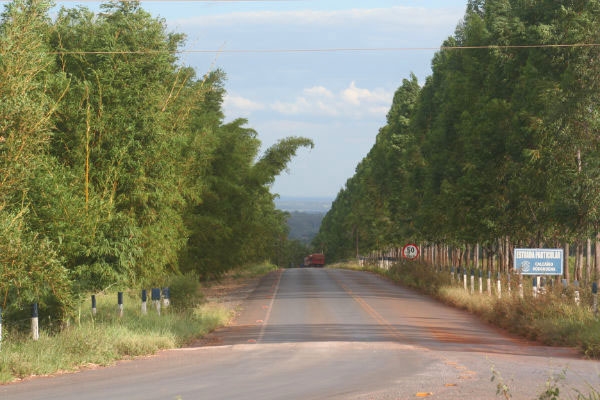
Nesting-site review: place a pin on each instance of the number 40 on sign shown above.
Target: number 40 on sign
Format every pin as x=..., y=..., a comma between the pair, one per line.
x=410, y=251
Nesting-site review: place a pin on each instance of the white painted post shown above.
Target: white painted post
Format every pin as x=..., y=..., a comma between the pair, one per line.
x=472, y=281
x=166, y=297
x=120, y=301
x=452, y=274
x=35, y=330
x=499, y=286
x=94, y=309
x=489, y=283
x=521, y=295
x=144, y=298
x=535, y=291
x=465, y=278
x=577, y=297
x=156, y=299
x=594, y=294
x=480, y=283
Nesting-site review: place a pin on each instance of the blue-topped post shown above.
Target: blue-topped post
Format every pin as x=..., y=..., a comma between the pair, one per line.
x=465, y=278
x=156, y=299
x=452, y=274
x=534, y=286
x=120, y=303
x=35, y=330
x=144, y=302
x=594, y=294
x=489, y=282
x=480, y=282
x=166, y=292
x=94, y=309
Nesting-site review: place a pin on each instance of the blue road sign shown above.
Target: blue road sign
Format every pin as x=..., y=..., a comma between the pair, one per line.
x=539, y=261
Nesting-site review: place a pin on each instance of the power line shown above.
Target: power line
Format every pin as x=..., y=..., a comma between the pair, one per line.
x=328, y=50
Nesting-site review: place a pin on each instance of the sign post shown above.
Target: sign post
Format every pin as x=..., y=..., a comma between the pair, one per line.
x=410, y=251
x=539, y=261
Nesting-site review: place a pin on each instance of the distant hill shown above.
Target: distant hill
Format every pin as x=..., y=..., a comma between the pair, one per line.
x=304, y=226
x=304, y=204
x=306, y=214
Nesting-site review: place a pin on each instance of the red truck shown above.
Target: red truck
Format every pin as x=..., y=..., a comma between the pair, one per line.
x=314, y=260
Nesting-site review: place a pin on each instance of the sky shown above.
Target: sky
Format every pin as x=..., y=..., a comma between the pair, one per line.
x=322, y=69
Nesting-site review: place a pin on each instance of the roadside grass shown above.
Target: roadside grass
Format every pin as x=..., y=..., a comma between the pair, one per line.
x=99, y=340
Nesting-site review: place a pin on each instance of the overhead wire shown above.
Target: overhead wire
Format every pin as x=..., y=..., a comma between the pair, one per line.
x=327, y=50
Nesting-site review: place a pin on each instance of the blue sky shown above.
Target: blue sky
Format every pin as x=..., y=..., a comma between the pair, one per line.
x=336, y=91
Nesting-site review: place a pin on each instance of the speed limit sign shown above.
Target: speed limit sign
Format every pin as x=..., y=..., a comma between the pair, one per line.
x=410, y=251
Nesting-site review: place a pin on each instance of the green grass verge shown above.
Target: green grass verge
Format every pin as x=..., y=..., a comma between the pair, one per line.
x=102, y=339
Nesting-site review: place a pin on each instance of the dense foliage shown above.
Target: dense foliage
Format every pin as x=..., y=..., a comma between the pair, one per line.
x=500, y=143
x=116, y=165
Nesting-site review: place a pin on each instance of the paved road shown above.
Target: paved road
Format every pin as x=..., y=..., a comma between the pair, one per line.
x=333, y=334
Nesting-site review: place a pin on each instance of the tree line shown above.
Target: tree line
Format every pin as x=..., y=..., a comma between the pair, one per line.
x=117, y=167
x=498, y=148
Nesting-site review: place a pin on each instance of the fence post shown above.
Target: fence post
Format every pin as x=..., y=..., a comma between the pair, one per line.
x=577, y=297
x=94, y=309
x=452, y=274
x=508, y=283
x=521, y=285
x=166, y=297
x=480, y=282
x=489, y=283
x=144, y=299
x=156, y=299
x=534, y=282
x=594, y=294
x=35, y=330
x=499, y=286
x=472, y=281
x=465, y=278
x=120, y=302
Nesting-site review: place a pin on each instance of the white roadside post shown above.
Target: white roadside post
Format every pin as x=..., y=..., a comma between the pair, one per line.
x=166, y=297
x=499, y=286
x=156, y=299
x=535, y=291
x=452, y=274
x=480, y=282
x=144, y=299
x=594, y=294
x=472, y=281
x=577, y=296
x=489, y=283
x=120, y=302
x=94, y=309
x=521, y=294
x=35, y=330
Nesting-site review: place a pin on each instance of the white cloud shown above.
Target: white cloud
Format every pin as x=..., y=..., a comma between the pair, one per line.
x=351, y=102
x=241, y=105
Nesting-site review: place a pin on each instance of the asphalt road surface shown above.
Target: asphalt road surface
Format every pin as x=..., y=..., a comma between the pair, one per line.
x=335, y=334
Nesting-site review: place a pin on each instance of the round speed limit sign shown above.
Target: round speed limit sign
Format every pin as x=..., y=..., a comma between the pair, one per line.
x=410, y=251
